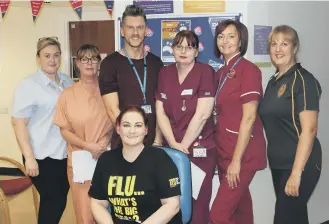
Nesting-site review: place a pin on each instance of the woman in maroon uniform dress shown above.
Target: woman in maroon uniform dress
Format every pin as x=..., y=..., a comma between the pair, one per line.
x=239, y=131
x=185, y=100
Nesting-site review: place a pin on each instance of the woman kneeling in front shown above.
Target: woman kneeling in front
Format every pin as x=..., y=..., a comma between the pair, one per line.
x=140, y=183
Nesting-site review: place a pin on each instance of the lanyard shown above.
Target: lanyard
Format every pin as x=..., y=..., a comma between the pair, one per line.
x=221, y=84
x=143, y=86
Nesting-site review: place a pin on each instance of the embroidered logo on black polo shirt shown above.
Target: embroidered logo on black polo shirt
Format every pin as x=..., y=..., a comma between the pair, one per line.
x=282, y=90
x=173, y=182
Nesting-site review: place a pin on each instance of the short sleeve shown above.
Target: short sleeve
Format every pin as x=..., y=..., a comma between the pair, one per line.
x=96, y=189
x=161, y=65
x=308, y=93
x=160, y=93
x=167, y=178
x=207, y=86
x=251, y=84
x=60, y=116
x=24, y=104
x=108, y=82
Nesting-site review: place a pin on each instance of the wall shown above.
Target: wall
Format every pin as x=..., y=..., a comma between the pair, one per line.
x=261, y=187
x=18, y=36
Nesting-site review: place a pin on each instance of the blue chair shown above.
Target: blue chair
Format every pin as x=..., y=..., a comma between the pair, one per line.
x=183, y=165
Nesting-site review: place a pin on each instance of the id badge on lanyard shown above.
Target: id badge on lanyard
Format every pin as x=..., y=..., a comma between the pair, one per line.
x=220, y=87
x=146, y=107
x=199, y=151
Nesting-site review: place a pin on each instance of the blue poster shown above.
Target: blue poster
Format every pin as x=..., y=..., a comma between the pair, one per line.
x=203, y=26
x=155, y=6
x=260, y=39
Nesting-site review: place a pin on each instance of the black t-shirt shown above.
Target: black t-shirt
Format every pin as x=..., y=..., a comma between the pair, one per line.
x=134, y=189
x=295, y=91
x=117, y=75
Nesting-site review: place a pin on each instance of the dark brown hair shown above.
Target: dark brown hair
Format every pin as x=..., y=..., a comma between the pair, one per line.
x=132, y=108
x=133, y=10
x=191, y=39
x=242, y=31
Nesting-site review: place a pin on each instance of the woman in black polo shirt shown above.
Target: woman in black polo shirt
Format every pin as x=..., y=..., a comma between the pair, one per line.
x=289, y=112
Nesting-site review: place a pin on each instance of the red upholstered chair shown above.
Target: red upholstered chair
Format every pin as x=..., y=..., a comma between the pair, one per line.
x=12, y=187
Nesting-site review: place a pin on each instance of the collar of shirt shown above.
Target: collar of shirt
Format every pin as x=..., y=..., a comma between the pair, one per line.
x=46, y=80
x=95, y=94
x=232, y=59
x=289, y=72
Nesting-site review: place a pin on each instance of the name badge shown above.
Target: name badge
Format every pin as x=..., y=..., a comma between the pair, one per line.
x=187, y=92
x=147, y=108
x=199, y=152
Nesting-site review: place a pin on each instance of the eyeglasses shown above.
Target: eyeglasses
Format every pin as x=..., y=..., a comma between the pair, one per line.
x=187, y=48
x=86, y=60
x=48, y=38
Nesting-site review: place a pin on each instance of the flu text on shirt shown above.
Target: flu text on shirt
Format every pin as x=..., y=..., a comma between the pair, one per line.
x=124, y=208
x=120, y=186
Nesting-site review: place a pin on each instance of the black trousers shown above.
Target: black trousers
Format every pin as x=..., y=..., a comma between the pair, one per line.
x=53, y=186
x=293, y=210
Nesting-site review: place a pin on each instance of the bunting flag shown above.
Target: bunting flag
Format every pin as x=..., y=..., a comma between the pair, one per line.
x=77, y=6
x=36, y=6
x=109, y=5
x=4, y=4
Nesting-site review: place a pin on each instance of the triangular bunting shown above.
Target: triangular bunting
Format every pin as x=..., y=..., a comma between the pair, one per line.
x=36, y=6
x=77, y=6
x=109, y=5
x=4, y=4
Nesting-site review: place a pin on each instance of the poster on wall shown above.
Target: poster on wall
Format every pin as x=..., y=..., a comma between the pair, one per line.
x=201, y=6
x=214, y=20
x=156, y=40
x=169, y=29
x=262, y=57
x=155, y=6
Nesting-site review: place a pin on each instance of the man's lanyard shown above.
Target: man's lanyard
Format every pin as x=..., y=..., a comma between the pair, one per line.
x=143, y=86
x=220, y=83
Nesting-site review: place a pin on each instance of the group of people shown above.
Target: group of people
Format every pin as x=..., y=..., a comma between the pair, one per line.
x=134, y=103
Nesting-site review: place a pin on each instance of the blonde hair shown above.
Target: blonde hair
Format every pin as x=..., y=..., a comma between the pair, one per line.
x=47, y=41
x=288, y=31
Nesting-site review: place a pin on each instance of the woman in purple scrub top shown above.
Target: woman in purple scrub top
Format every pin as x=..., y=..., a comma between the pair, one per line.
x=185, y=100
